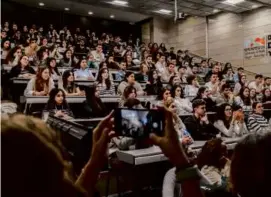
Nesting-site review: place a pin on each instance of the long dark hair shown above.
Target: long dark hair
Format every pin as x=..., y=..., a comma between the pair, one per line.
x=246, y=100
x=127, y=91
x=265, y=98
x=65, y=77
x=51, y=104
x=49, y=59
x=94, y=102
x=221, y=114
x=174, y=89
x=161, y=93
x=66, y=60
x=211, y=153
x=200, y=91
x=151, y=79
x=100, y=78
x=10, y=56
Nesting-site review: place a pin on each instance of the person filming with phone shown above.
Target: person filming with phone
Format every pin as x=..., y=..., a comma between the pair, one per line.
x=198, y=124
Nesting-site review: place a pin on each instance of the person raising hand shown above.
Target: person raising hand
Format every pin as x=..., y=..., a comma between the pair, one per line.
x=170, y=145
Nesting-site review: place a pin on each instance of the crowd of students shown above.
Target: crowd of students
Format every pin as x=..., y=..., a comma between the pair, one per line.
x=183, y=85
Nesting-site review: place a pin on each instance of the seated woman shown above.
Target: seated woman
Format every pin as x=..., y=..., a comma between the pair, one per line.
x=130, y=81
x=266, y=95
x=242, y=83
x=243, y=99
x=154, y=86
x=57, y=104
x=111, y=63
x=143, y=74
x=129, y=93
x=14, y=56
x=42, y=55
x=184, y=136
x=68, y=60
x=183, y=105
x=40, y=85
x=51, y=63
x=174, y=80
x=192, y=88
x=204, y=93
x=22, y=69
x=68, y=85
x=105, y=85
x=229, y=124
x=162, y=96
x=84, y=72
x=93, y=106
x=214, y=164
x=252, y=95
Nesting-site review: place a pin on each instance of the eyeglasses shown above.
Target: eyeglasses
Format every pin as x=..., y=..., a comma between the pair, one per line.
x=228, y=109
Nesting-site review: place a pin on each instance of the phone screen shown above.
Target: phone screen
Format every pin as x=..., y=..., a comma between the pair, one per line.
x=138, y=123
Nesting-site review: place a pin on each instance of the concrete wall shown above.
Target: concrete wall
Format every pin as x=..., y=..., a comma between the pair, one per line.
x=221, y=37
x=189, y=34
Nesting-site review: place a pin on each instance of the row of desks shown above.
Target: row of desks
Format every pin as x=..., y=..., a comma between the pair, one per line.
x=154, y=153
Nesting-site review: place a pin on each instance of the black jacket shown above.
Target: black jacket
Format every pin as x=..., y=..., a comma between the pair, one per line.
x=17, y=70
x=199, y=131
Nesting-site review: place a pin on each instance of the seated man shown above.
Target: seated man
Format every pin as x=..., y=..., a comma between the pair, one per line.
x=213, y=85
x=226, y=95
x=198, y=124
x=257, y=84
x=256, y=121
x=168, y=72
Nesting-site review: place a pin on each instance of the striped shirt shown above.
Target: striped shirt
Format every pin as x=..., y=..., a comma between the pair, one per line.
x=104, y=91
x=257, y=123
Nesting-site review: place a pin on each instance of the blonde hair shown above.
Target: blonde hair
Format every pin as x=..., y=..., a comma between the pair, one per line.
x=33, y=161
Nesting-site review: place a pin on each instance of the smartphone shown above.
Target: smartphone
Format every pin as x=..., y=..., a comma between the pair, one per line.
x=138, y=123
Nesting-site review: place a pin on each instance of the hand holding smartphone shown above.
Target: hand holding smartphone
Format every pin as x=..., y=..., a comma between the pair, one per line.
x=138, y=123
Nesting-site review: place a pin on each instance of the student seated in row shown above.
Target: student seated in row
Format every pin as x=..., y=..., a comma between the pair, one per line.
x=84, y=73
x=69, y=86
x=104, y=84
x=57, y=104
x=256, y=121
x=40, y=85
x=130, y=80
x=22, y=69
x=198, y=124
x=230, y=124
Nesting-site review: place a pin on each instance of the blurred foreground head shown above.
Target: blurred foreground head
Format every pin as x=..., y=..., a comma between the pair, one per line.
x=251, y=166
x=33, y=161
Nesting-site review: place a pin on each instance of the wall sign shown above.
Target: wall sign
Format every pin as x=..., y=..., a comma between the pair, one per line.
x=255, y=47
x=268, y=45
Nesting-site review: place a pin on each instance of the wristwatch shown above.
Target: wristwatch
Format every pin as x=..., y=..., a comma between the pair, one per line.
x=189, y=173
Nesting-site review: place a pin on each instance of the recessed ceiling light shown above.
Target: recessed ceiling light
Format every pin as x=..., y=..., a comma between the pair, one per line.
x=233, y=2
x=119, y=2
x=255, y=6
x=216, y=10
x=112, y=16
x=164, y=11
x=90, y=13
x=41, y=4
x=67, y=9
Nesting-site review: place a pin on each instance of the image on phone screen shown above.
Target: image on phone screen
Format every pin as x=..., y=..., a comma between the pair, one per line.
x=137, y=123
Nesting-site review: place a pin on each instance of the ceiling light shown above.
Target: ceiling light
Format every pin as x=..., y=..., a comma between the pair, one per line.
x=119, y=2
x=255, y=6
x=164, y=11
x=112, y=16
x=233, y=2
x=90, y=13
x=216, y=10
x=67, y=9
x=41, y=4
